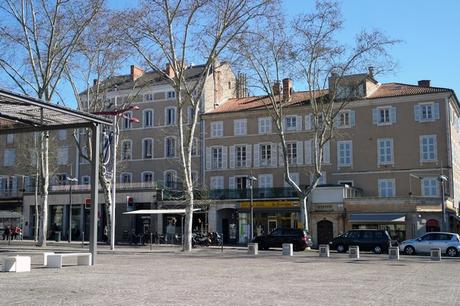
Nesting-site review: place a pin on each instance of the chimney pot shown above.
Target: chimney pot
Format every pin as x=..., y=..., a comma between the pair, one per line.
x=287, y=88
x=371, y=71
x=136, y=72
x=276, y=88
x=424, y=83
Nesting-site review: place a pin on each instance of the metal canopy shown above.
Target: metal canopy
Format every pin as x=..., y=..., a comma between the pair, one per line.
x=157, y=211
x=20, y=113
x=377, y=218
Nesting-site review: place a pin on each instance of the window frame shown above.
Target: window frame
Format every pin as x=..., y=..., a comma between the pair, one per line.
x=350, y=151
x=240, y=127
x=144, y=140
x=144, y=118
x=217, y=129
x=381, y=192
x=122, y=153
x=379, y=151
x=428, y=153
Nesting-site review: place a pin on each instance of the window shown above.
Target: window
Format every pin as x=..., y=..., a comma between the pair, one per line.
x=265, y=125
x=384, y=115
x=290, y=123
x=265, y=181
x=344, y=153
x=292, y=152
x=190, y=114
x=126, y=178
x=430, y=187
x=241, y=182
x=171, y=95
x=61, y=179
x=62, y=156
x=170, y=179
x=239, y=127
x=148, y=118
x=385, y=151
x=426, y=112
x=428, y=148
x=9, y=138
x=322, y=179
x=216, y=158
x=9, y=157
x=217, y=182
x=265, y=155
x=170, y=116
x=127, y=120
x=147, y=177
x=62, y=135
x=147, y=148
x=126, y=150
x=295, y=177
x=345, y=119
x=386, y=188
x=241, y=156
x=86, y=180
x=170, y=147
x=217, y=129
x=148, y=97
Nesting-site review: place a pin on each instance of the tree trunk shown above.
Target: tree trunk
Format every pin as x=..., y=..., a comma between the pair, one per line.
x=108, y=208
x=44, y=189
x=188, y=221
x=37, y=219
x=304, y=212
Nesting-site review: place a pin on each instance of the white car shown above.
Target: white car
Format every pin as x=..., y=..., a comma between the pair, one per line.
x=448, y=242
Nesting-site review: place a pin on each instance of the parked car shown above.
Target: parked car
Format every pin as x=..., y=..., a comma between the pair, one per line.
x=376, y=241
x=448, y=242
x=298, y=237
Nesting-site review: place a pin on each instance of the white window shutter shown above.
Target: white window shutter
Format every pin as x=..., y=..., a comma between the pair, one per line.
x=256, y=155
x=308, y=122
x=436, y=110
x=307, y=152
x=417, y=112
x=337, y=120
x=352, y=118
x=232, y=157
x=249, y=163
x=274, y=154
x=269, y=125
x=393, y=114
x=231, y=182
x=327, y=152
x=224, y=157
x=435, y=145
x=208, y=158
x=375, y=116
x=280, y=155
x=299, y=123
x=299, y=152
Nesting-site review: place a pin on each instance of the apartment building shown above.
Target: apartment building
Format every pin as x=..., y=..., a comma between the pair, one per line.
x=380, y=171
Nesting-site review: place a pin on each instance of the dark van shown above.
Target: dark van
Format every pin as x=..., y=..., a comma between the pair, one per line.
x=377, y=241
x=298, y=237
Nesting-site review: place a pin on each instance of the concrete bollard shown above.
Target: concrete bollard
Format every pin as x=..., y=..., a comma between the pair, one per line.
x=393, y=253
x=287, y=249
x=16, y=264
x=324, y=250
x=354, y=252
x=435, y=254
x=253, y=248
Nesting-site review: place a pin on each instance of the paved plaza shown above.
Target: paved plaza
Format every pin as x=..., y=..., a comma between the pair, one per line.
x=166, y=276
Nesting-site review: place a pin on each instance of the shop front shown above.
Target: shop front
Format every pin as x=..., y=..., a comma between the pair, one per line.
x=393, y=223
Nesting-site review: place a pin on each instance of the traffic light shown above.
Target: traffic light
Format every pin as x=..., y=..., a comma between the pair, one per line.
x=129, y=203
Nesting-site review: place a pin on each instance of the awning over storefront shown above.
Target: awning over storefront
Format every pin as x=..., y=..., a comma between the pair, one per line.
x=377, y=218
x=10, y=215
x=158, y=211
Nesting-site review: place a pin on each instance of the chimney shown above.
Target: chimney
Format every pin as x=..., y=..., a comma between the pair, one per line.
x=424, y=83
x=371, y=71
x=169, y=71
x=287, y=88
x=276, y=88
x=136, y=72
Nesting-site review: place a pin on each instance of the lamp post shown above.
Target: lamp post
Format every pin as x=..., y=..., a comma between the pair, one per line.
x=442, y=179
x=71, y=180
x=115, y=113
x=251, y=207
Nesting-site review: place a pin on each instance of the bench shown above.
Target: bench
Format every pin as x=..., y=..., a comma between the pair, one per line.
x=55, y=260
x=16, y=264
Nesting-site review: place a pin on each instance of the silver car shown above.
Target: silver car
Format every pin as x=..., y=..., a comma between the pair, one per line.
x=448, y=242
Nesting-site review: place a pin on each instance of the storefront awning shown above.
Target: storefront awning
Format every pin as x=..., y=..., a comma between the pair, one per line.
x=10, y=215
x=377, y=218
x=157, y=211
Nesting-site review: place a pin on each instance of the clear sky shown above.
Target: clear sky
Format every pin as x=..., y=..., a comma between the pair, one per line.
x=429, y=30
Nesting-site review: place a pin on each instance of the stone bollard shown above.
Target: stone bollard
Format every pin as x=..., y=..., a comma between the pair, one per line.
x=16, y=264
x=435, y=254
x=324, y=250
x=354, y=252
x=253, y=248
x=287, y=249
x=393, y=253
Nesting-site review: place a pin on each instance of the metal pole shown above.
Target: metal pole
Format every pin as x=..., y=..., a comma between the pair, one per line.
x=95, y=140
x=251, y=214
x=443, y=207
x=70, y=212
x=114, y=182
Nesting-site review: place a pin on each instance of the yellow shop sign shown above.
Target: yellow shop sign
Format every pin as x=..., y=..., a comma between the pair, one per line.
x=269, y=204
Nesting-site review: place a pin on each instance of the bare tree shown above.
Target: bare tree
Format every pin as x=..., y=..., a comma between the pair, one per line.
x=173, y=31
x=307, y=48
x=40, y=37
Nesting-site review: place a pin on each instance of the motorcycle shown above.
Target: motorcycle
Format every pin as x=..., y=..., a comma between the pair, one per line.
x=199, y=239
x=216, y=238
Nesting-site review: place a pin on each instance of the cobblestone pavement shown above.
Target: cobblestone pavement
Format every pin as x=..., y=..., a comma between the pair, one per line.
x=166, y=276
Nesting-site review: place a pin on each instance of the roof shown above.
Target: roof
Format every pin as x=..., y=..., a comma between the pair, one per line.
x=398, y=89
x=260, y=102
x=23, y=113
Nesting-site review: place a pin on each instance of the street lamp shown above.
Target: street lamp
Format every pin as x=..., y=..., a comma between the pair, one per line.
x=442, y=180
x=71, y=180
x=251, y=207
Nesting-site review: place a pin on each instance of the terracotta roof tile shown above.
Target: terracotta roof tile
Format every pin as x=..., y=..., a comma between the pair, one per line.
x=398, y=89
